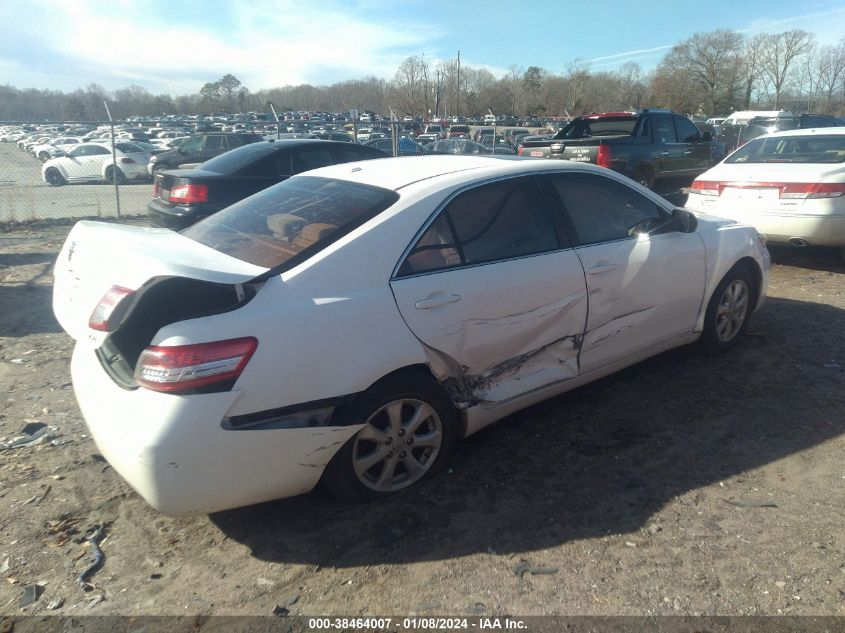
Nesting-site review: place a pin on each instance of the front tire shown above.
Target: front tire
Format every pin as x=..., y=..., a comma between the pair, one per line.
x=729, y=310
x=410, y=428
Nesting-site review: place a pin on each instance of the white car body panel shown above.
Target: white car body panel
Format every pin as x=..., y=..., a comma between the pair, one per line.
x=509, y=326
x=649, y=289
x=220, y=469
x=107, y=255
x=304, y=357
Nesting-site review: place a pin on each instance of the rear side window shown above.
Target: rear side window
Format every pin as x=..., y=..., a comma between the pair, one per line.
x=664, y=131
x=494, y=222
x=286, y=224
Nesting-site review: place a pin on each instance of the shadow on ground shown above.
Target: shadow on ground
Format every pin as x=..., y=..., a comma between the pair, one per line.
x=810, y=257
x=599, y=460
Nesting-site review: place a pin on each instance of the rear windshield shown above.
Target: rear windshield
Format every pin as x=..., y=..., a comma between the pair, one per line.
x=286, y=224
x=791, y=149
x=238, y=158
x=606, y=126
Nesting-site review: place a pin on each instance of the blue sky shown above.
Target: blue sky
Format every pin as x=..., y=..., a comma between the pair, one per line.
x=175, y=46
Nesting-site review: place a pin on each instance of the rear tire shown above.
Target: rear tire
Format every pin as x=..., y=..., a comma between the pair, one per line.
x=410, y=429
x=111, y=175
x=729, y=310
x=54, y=177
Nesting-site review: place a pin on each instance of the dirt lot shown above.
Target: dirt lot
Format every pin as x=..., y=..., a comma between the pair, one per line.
x=686, y=484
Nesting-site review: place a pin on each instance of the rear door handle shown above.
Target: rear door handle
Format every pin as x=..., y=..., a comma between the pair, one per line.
x=664, y=153
x=597, y=270
x=688, y=151
x=434, y=302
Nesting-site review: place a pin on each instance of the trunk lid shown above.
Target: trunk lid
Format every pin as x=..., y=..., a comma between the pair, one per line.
x=97, y=256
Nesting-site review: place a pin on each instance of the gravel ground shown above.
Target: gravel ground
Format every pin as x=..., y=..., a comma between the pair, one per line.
x=684, y=485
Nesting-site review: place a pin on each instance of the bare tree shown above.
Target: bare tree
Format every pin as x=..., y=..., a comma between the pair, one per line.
x=831, y=71
x=779, y=56
x=752, y=61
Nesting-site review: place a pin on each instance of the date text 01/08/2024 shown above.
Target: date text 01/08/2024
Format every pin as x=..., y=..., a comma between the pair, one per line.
x=416, y=624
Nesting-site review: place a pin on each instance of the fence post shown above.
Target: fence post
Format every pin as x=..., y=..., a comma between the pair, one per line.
x=113, y=160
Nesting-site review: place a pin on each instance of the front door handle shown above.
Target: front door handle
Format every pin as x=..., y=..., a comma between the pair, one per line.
x=597, y=270
x=664, y=153
x=434, y=302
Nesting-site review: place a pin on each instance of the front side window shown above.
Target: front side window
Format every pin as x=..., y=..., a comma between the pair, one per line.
x=493, y=222
x=214, y=144
x=604, y=210
x=192, y=145
x=687, y=132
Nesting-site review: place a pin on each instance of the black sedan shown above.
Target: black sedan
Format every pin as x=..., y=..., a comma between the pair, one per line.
x=181, y=197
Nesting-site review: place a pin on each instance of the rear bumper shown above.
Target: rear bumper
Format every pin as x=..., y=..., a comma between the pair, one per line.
x=780, y=228
x=173, y=451
x=173, y=217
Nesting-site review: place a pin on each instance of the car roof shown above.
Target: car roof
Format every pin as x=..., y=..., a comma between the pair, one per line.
x=810, y=131
x=394, y=173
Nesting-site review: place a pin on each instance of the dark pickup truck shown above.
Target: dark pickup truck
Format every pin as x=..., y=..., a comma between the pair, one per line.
x=659, y=149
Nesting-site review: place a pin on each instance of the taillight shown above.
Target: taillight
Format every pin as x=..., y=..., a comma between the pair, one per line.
x=107, y=308
x=186, y=194
x=181, y=368
x=128, y=161
x=812, y=190
x=603, y=156
x=706, y=187
x=519, y=151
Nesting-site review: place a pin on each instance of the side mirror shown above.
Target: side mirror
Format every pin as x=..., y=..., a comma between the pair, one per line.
x=706, y=137
x=684, y=221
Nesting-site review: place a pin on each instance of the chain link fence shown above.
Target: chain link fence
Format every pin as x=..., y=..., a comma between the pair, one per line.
x=46, y=173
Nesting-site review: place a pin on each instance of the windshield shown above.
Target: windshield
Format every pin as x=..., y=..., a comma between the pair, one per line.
x=286, y=224
x=791, y=149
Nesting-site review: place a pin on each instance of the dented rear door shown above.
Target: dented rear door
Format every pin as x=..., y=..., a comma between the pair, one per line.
x=498, y=302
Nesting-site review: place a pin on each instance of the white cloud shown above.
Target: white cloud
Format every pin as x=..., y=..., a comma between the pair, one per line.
x=265, y=43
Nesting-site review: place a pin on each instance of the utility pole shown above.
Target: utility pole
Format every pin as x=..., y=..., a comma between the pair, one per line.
x=437, y=95
x=458, y=99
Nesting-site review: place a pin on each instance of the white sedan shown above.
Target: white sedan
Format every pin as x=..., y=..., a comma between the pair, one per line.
x=350, y=323
x=789, y=185
x=54, y=147
x=89, y=162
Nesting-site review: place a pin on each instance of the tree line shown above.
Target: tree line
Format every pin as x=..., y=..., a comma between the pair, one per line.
x=711, y=73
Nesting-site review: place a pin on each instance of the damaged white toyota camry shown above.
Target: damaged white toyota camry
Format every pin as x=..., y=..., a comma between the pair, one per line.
x=350, y=324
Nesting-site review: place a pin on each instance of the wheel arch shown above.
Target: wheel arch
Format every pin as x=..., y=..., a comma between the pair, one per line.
x=408, y=373
x=753, y=267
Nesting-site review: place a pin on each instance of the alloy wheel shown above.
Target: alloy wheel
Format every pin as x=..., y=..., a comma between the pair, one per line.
x=398, y=445
x=730, y=314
